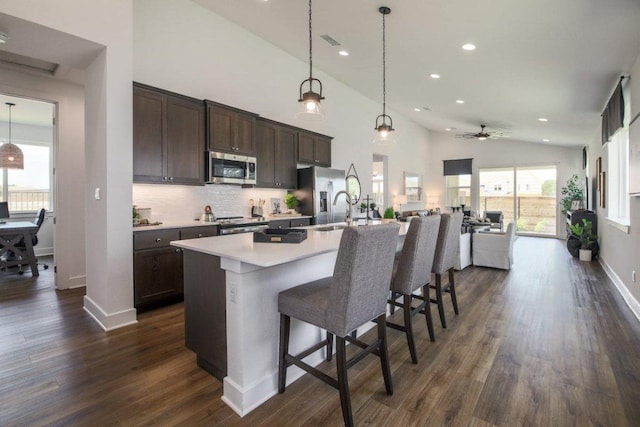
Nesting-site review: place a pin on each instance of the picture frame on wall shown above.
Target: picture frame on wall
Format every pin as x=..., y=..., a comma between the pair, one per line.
x=602, y=184
x=598, y=170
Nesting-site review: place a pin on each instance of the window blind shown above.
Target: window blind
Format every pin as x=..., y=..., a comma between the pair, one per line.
x=457, y=167
x=613, y=114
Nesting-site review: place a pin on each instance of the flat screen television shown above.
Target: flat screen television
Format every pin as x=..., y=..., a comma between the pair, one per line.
x=4, y=212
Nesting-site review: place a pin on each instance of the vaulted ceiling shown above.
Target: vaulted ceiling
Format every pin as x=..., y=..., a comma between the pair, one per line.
x=558, y=60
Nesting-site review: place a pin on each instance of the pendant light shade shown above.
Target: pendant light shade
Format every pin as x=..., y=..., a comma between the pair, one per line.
x=311, y=110
x=11, y=156
x=384, y=122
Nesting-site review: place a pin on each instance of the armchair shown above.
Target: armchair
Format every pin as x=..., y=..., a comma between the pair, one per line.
x=494, y=249
x=496, y=218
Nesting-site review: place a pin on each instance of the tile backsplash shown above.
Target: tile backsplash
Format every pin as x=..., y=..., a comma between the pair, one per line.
x=183, y=202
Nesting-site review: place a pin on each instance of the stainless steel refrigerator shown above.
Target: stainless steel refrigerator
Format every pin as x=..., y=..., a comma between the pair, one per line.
x=317, y=188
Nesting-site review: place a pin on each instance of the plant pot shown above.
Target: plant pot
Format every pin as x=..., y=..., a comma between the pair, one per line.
x=386, y=220
x=585, y=254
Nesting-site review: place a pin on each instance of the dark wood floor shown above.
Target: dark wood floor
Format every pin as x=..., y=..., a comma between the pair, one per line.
x=550, y=343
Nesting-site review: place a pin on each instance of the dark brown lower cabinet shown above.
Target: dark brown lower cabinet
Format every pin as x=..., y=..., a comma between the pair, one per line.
x=158, y=277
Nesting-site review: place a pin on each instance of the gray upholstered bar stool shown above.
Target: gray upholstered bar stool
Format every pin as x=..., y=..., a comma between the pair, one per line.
x=412, y=273
x=446, y=252
x=355, y=294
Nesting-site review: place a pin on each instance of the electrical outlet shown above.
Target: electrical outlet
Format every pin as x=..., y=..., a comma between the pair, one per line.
x=233, y=292
x=633, y=276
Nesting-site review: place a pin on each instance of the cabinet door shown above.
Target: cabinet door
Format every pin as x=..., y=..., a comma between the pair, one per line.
x=286, y=175
x=157, y=276
x=220, y=130
x=149, y=131
x=185, y=141
x=300, y=222
x=266, y=157
x=244, y=140
x=199, y=232
x=322, y=150
x=305, y=148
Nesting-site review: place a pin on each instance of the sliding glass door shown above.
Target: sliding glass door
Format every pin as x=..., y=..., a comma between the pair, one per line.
x=526, y=194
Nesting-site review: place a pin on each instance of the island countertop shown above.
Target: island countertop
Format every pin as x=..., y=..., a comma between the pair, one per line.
x=241, y=247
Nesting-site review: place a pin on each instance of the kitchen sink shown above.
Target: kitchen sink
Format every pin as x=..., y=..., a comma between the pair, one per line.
x=331, y=228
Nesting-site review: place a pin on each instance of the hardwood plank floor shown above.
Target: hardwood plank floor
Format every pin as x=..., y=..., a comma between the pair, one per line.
x=549, y=343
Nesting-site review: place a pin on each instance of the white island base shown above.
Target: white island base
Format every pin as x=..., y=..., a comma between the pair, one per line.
x=254, y=274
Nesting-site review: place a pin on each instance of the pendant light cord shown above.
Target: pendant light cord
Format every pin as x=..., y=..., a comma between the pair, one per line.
x=9, y=104
x=384, y=68
x=310, y=46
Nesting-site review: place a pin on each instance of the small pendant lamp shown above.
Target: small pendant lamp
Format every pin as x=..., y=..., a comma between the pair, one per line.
x=11, y=156
x=384, y=122
x=311, y=109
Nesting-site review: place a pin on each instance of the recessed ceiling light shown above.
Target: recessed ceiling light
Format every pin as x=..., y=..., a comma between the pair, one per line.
x=343, y=52
x=542, y=119
x=417, y=109
x=434, y=76
x=545, y=140
x=469, y=46
x=4, y=37
x=448, y=129
x=459, y=101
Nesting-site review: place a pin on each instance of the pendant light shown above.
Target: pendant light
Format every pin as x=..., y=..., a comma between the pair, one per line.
x=311, y=108
x=384, y=122
x=11, y=156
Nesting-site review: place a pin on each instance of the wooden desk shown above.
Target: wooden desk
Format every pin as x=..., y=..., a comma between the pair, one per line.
x=13, y=233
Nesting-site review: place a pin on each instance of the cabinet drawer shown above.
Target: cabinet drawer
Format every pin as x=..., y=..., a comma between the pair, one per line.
x=300, y=222
x=280, y=223
x=197, y=232
x=155, y=238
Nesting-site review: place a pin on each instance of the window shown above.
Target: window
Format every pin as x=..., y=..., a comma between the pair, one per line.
x=29, y=189
x=458, y=190
x=617, y=176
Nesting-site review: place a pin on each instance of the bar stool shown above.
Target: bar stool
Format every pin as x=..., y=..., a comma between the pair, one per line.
x=446, y=252
x=412, y=272
x=354, y=295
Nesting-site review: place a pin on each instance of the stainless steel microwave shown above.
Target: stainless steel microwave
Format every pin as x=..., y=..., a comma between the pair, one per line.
x=225, y=168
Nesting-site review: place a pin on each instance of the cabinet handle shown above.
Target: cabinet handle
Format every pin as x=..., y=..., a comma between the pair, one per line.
x=178, y=250
x=158, y=239
x=199, y=235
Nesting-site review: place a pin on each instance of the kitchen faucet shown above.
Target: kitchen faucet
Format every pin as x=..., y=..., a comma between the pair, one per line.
x=349, y=211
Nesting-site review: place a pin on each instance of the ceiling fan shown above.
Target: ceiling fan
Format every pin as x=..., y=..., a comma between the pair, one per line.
x=482, y=135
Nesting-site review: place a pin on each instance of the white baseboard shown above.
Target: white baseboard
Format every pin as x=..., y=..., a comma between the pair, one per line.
x=633, y=304
x=42, y=251
x=112, y=321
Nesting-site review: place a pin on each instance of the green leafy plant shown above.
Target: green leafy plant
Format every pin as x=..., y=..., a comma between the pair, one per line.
x=372, y=206
x=572, y=191
x=363, y=207
x=291, y=201
x=389, y=213
x=584, y=233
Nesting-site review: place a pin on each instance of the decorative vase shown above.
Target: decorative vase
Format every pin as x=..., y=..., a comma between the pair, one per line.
x=585, y=254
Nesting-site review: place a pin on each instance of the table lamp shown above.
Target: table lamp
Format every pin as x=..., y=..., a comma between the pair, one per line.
x=401, y=199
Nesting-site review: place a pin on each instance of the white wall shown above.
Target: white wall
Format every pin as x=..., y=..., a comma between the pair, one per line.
x=620, y=251
x=499, y=153
x=69, y=181
x=95, y=36
x=253, y=75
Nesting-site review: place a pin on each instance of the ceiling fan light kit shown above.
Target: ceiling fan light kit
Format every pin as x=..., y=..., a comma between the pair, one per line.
x=384, y=122
x=482, y=135
x=311, y=108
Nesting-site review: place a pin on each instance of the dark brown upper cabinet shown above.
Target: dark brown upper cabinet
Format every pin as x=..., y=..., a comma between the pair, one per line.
x=314, y=149
x=168, y=137
x=230, y=130
x=276, y=154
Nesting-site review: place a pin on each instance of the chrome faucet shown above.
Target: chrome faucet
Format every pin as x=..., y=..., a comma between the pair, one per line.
x=349, y=212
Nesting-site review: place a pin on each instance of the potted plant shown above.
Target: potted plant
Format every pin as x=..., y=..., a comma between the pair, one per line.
x=291, y=201
x=388, y=215
x=363, y=207
x=587, y=239
x=572, y=191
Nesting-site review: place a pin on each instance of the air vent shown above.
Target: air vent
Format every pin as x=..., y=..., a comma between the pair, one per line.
x=330, y=40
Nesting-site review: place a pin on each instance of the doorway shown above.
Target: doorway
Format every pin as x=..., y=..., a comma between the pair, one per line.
x=30, y=189
x=379, y=184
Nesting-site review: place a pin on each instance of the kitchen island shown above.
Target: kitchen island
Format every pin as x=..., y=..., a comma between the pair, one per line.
x=231, y=287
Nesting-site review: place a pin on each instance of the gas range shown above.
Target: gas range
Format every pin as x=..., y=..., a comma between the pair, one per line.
x=238, y=224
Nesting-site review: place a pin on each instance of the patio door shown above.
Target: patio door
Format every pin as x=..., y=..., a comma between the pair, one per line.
x=524, y=194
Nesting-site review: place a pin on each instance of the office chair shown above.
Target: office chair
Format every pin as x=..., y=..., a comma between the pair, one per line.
x=39, y=219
